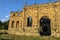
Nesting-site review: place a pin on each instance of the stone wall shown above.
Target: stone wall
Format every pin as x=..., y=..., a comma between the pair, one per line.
x=51, y=10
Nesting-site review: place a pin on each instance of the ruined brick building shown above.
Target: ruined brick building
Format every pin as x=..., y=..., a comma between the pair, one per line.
x=36, y=20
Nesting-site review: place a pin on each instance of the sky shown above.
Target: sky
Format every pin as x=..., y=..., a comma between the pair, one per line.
x=7, y=6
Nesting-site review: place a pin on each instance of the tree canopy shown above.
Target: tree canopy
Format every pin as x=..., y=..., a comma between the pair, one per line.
x=4, y=25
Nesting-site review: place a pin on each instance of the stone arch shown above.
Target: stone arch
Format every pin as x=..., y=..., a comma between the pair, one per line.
x=12, y=25
x=45, y=26
x=17, y=24
x=29, y=21
x=13, y=14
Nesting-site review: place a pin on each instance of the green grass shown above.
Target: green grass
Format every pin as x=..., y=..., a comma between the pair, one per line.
x=5, y=36
x=18, y=37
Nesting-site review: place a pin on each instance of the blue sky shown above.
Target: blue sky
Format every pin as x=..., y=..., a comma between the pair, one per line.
x=6, y=6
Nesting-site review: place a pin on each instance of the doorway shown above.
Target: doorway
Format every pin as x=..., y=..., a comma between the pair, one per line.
x=45, y=26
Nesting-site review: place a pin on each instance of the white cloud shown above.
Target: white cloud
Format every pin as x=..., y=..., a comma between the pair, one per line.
x=2, y=20
x=7, y=16
x=5, y=19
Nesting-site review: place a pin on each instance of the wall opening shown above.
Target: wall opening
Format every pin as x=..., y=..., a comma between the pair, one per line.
x=12, y=25
x=45, y=26
x=17, y=24
x=29, y=21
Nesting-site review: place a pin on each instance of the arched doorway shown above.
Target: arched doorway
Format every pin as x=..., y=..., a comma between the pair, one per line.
x=45, y=26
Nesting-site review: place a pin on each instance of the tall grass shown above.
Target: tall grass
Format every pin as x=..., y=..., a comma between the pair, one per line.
x=18, y=37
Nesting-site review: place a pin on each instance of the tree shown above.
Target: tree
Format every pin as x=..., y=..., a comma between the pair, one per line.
x=1, y=23
x=4, y=25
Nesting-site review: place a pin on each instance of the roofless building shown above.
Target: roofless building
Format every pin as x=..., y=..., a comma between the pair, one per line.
x=36, y=20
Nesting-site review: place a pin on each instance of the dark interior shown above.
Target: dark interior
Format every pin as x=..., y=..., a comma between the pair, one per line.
x=45, y=25
x=29, y=21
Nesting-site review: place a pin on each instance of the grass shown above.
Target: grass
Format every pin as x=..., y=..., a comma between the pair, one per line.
x=18, y=37
x=5, y=36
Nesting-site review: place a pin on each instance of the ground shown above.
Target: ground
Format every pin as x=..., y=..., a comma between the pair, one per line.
x=5, y=36
x=18, y=37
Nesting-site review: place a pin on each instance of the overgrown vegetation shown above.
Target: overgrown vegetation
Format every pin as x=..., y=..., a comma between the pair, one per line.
x=4, y=25
x=5, y=36
x=18, y=37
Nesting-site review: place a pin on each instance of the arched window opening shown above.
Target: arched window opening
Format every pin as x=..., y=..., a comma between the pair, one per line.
x=18, y=14
x=29, y=21
x=12, y=24
x=13, y=14
x=17, y=24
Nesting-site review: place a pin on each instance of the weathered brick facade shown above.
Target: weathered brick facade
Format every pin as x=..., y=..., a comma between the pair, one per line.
x=49, y=10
